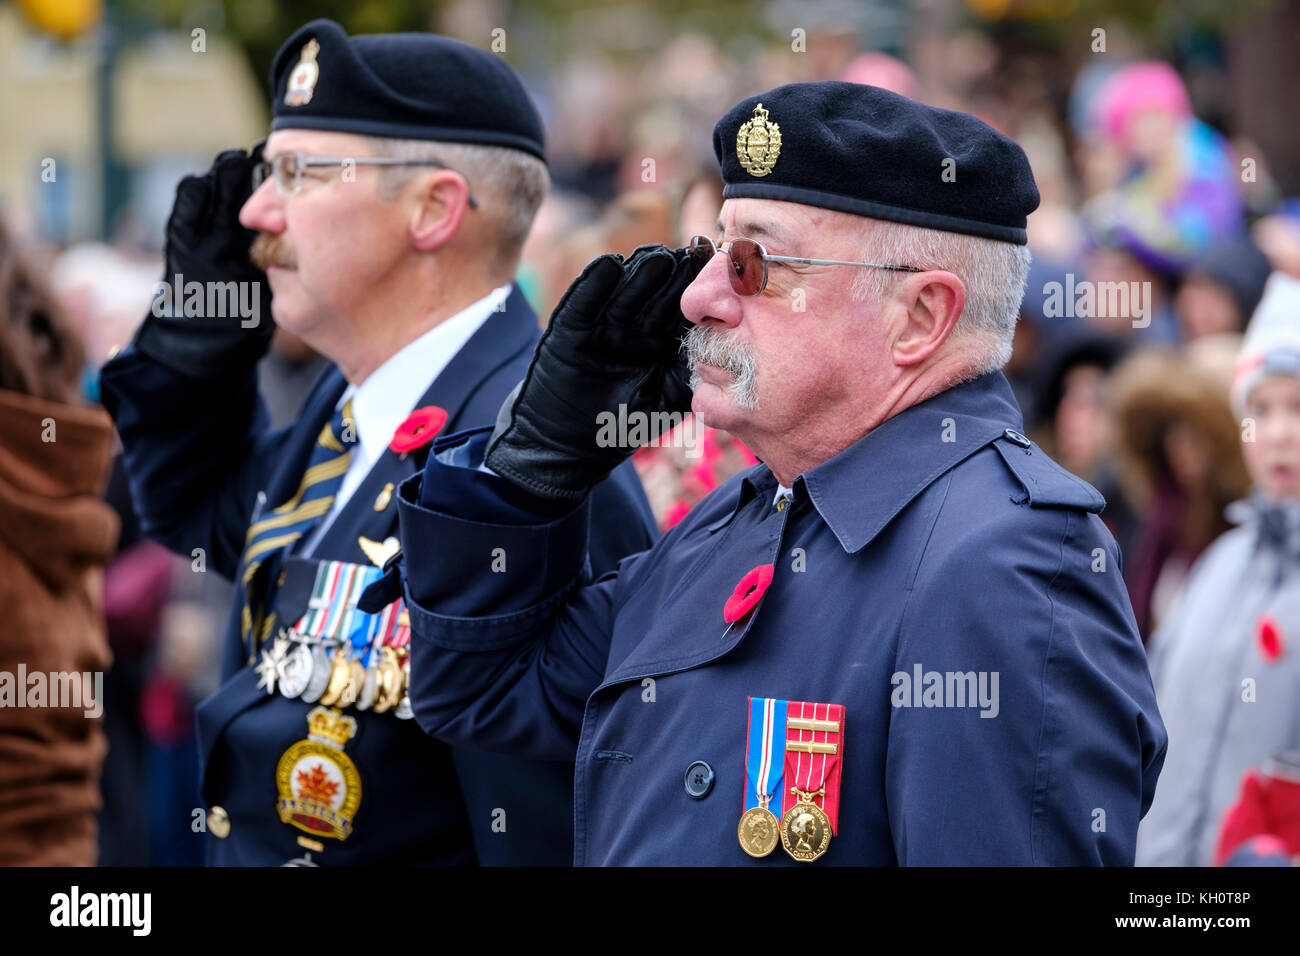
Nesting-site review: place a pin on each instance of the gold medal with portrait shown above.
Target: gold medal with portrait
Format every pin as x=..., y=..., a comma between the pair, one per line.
x=759, y=831
x=805, y=829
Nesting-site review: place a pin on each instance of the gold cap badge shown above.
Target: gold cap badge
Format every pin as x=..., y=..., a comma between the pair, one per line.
x=304, y=76
x=758, y=144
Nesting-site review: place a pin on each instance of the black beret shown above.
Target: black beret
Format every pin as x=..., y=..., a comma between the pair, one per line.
x=867, y=151
x=405, y=85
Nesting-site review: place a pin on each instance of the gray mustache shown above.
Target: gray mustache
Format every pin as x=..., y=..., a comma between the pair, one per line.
x=708, y=346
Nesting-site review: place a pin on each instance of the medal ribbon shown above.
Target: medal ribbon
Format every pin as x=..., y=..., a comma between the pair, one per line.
x=811, y=772
x=764, y=760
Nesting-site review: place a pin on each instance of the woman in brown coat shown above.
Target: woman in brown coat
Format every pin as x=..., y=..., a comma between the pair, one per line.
x=55, y=535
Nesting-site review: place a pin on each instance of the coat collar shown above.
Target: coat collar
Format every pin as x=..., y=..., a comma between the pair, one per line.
x=861, y=489
x=495, y=342
x=498, y=341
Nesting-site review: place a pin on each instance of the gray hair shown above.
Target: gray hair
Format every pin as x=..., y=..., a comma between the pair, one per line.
x=994, y=273
x=508, y=184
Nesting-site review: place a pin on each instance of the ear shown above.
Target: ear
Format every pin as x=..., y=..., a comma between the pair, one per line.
x=441, y=201
x=933, y=302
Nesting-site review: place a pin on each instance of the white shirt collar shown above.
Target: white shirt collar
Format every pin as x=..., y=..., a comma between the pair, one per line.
x=389, y=394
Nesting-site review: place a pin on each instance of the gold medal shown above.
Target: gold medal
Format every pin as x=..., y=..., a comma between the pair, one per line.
x=369, y=687
x=356, y=679
x=390, y=682
x=340, y=673
x=404, y=710
x=759, y=831
x=805, y=828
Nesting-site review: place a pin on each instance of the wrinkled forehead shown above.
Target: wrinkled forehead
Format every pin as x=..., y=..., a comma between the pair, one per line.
x=787, y=226
x=312, y=142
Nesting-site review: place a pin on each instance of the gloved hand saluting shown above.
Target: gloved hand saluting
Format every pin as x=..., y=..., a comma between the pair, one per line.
x=614, y=339
x=228, y=325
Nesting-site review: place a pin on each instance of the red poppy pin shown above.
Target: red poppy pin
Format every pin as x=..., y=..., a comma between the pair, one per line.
x=1268, y=635
x=419, y=429
x=748, y=593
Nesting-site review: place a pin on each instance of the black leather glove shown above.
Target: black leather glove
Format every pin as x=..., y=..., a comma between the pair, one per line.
x=614, y=339
x=206, y=244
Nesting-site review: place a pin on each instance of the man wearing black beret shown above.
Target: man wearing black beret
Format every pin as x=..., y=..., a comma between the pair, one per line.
x=903, y=637
x=385, y=213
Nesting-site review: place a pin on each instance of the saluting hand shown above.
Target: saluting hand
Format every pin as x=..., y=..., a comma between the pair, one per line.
x=614, y=340
x=217, y=315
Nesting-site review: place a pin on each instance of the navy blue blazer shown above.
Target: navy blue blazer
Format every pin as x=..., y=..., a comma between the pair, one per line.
x=942, y=579
x=197, y=453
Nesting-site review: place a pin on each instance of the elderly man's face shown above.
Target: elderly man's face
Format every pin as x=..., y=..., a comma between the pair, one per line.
x=803, y=351
x=326, y=248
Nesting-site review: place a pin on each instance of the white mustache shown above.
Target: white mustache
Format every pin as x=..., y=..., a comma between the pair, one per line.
x=708, y=346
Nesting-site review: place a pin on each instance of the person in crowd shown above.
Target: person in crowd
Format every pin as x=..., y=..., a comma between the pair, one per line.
x=56, y=534
x=1226, y=659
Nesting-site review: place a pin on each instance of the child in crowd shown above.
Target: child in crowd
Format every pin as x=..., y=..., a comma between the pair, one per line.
x=1226, y=662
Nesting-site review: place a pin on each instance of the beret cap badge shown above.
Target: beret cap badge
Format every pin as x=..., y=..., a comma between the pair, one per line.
x=302, y=81
x=758, y=143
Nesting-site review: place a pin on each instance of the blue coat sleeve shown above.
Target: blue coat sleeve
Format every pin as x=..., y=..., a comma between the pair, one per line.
x=509, y=634
x=197, y=451
x=1058, y=762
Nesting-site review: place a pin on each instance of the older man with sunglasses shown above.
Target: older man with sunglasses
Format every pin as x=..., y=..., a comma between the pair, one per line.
x=388, y=209
x=903, y=638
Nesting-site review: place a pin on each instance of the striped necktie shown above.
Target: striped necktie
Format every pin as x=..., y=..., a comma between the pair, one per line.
x=271, y=535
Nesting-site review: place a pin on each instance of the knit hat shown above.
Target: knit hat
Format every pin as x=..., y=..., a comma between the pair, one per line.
x=1272, y=345
x=1238, y=266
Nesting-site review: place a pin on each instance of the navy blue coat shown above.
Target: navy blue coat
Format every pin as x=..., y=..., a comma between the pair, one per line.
x=941, y=541
x=198, y=453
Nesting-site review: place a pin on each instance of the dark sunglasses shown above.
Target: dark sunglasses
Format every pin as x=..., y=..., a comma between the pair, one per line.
x=749, y=262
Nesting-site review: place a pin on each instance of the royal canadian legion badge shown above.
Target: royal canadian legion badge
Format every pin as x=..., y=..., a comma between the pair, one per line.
x=319, y=786
x=758, y=143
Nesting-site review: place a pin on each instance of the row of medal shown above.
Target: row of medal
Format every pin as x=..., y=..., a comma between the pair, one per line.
x=339, y=656
x=793, y=754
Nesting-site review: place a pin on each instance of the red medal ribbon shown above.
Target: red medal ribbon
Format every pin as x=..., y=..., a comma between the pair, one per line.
x=810, y=772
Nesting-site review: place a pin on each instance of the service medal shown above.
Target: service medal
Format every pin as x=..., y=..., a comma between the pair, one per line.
x=268, y=669
x=805, y=828
x=356, y=678
x=390, y=681
x=369, y=688
x=814, y=740
x=295, y=671
x=340, y=672
x=403, y=710
x=321, y=666
x=759, y=829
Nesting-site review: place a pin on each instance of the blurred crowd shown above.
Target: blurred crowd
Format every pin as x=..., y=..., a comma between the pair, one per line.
x=1135, y=398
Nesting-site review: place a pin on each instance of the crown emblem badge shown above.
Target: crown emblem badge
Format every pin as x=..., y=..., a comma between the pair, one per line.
x=302, y=81
x=319, y=786
x=758, y=143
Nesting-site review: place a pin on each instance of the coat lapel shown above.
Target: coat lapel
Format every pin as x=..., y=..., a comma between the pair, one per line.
x=371, y=513
x=505, y=337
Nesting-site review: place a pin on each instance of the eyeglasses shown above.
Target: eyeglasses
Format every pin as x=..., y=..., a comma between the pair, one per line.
x=749, y=262
x=287, y=169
